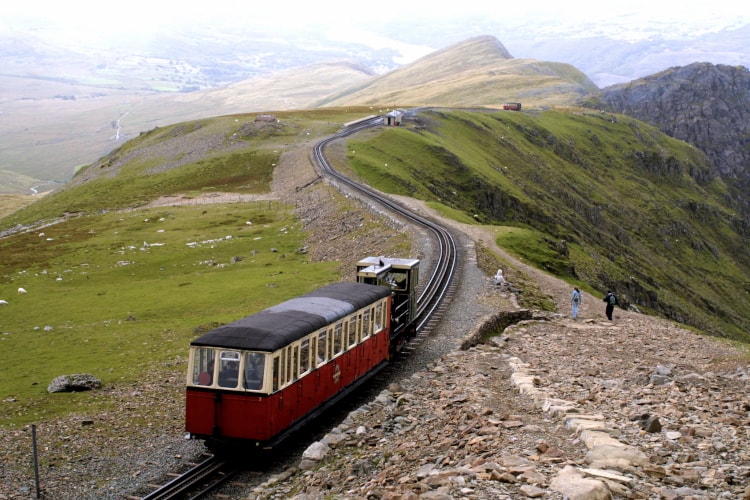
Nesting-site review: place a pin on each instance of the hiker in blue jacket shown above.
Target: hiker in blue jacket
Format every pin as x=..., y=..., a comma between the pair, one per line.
x=575, y=301
x=611, y=300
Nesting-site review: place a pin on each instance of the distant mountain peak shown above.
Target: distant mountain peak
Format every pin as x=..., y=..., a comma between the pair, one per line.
x=478, y=71
x=480, y=44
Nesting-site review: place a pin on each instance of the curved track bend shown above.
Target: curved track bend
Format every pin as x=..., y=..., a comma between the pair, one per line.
x=439, y=284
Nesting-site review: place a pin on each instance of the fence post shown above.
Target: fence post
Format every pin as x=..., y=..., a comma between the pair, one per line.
x=36, y=461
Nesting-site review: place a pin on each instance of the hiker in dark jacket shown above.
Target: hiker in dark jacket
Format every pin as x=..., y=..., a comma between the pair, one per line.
x=611, y=300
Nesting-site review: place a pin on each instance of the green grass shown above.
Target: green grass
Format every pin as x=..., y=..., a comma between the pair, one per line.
x=537, y=250
x=118, y=290
x=99, y=301
x=532, y=297
x=10, y=203
x=228, y=153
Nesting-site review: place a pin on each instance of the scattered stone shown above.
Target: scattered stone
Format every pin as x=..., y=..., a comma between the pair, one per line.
x=650, y=423
x=316, y=451
x=74, y=383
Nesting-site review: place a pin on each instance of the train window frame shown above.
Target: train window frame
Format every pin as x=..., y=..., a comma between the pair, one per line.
x=314, y=356
x=398, y=280
x=229, y=368
x=352, y=336
x=379, y=324
x=287, y=364
x=251, y=358
x=352, y=328
x=339, y=343
x=304, y=356
x=275, y=371
x=203, y=366
x=283, y=366
x=367, y=323
x=294, y=361
x=322, y=343
x=362, y=335
x=353, y=331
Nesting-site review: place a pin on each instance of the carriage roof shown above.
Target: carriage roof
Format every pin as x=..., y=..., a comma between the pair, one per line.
x=284, y=323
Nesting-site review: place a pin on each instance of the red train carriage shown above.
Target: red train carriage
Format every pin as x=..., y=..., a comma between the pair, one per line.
x=262, y=377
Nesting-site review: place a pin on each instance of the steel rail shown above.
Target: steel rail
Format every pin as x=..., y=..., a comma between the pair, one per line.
x=441, y=278
x=180, y=485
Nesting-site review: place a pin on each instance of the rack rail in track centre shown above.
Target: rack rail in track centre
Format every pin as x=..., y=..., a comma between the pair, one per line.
x=211, y=473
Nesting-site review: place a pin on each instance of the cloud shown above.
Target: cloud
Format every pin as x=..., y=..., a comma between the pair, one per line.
x=285, y=16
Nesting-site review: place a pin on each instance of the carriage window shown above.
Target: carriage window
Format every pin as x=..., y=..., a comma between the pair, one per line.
x=287, y=366
x=293, y=362
x=338, y=339
x=353, y=328
x=362, y=332
x=322, y=348
x=314, y=355
x=352, y=334
x=229, y=368
x=366, y=325
x=283, y=368
x=255, y=363
x=304, y=357
x=398, y=280
x=203, y=366
x=378, y=319
x=276, y=370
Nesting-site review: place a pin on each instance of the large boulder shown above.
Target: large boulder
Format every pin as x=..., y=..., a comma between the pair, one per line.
x=74, y=383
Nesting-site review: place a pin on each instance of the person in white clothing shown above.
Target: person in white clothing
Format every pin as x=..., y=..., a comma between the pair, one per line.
x=575, y=301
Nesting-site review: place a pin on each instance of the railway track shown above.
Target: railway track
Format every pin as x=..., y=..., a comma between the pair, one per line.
x=196, y=482
x=438, y=286
x=436, y=292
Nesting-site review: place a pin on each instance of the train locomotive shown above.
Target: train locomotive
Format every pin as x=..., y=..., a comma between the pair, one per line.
x=259, y=379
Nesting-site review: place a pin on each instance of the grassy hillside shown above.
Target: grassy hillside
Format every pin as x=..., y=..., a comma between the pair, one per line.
x=117, y=288
x=597, y=199
x=230, y=153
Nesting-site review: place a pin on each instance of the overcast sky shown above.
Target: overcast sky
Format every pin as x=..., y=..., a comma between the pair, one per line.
x=103, y=24
x=138, y=15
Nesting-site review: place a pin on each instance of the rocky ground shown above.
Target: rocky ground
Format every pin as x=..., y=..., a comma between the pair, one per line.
x=553, y=408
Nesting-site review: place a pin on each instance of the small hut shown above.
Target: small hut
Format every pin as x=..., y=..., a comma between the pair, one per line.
x=393, y=119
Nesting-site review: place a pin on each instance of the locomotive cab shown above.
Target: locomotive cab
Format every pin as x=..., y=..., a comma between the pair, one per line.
x=402, y=277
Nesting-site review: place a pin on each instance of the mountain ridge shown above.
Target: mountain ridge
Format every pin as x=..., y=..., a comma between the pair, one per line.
x=475, y=72
x=45, y=149
x=49, y=150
